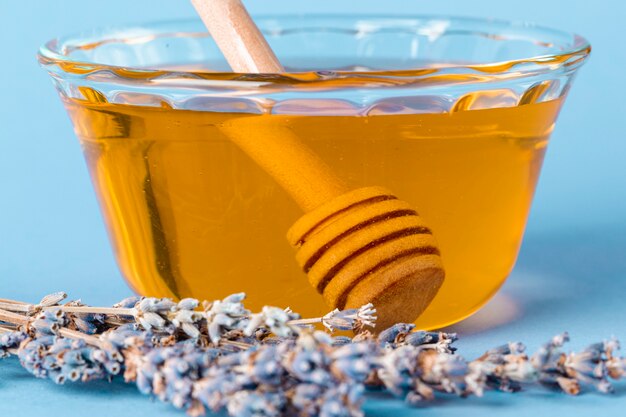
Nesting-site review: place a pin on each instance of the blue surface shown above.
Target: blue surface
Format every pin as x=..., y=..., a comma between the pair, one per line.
x=572, y=269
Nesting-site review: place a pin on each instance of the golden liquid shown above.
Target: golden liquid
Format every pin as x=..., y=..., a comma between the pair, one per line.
x=191, y=215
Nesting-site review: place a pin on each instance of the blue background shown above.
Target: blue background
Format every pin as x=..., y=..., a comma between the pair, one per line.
x=572, y=269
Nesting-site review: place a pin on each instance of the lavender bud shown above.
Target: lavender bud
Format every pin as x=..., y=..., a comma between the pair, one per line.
x=389, y=336
x=10, y=341
x=188, y=304
x=130, y=302
x=52, y=299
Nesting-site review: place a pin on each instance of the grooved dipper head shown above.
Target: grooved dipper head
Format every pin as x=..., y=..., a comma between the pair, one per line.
x=367, y=246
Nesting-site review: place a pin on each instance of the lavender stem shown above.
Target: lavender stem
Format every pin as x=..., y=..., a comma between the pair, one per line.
x=14, y=318
x=95, y=310
x=301, y=322
x=9, y=305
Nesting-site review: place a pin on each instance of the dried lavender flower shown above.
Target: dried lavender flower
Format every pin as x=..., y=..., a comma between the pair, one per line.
x=225, y=315
x=49, y=322
x=62, y=360
x=389, y=337
x=10, y=341
x=51, y=299
x=353, y=319
x=256, y=404
x=274, y=319
x=219, y=356
x=88, y=323
x=130, y=302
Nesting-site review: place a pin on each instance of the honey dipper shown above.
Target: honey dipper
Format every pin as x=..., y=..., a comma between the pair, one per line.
x=356, y=246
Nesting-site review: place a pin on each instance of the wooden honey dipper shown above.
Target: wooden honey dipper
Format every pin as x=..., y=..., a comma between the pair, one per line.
x=356, y=246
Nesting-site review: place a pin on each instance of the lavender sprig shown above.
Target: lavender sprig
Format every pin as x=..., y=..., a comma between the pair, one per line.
x=62, y=359
x=220, y=356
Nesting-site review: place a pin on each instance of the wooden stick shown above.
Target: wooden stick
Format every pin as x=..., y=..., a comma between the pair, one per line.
x=298, y=170
x=239, y=39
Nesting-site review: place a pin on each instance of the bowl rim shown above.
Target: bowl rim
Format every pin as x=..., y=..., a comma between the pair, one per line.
x=572, y=56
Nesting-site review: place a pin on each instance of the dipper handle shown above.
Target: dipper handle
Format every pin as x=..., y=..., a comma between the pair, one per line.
x=298, y=170
x=356, y=246
x=237, y=36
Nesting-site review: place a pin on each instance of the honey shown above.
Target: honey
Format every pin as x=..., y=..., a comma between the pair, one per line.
x=191, y=215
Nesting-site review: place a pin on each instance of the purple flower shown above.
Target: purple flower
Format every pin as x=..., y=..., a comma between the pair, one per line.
x=9, y=341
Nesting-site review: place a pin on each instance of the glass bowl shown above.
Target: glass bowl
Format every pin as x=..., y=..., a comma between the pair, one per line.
x=452, y=114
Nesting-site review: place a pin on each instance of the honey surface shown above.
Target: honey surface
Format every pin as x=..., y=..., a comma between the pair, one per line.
x=190, y=214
